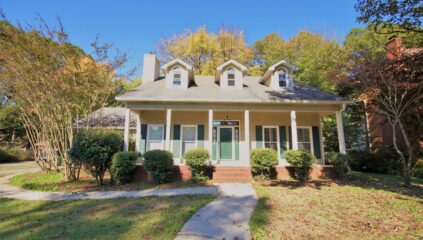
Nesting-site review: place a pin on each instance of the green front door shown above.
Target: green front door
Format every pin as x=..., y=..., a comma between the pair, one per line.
x=225, y=143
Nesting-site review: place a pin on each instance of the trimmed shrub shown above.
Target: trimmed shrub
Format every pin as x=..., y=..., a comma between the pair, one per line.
x=94, y=150
x=13, y=154
x=123, y=164
x=263, y=160
x=417, y=170
x=384, y=161
x=160, y=164
x=301, y=161
x=341, y=162
x=196, y=159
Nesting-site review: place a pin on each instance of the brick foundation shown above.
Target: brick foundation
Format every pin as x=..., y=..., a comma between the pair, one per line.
x=317, y=172
x=179, y=173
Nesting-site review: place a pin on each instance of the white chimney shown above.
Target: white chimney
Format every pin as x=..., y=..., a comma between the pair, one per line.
x=151, y=68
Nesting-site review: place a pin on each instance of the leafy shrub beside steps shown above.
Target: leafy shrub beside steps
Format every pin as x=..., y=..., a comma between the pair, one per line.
x=301, y=161
x=196, y=159
x=263, y=160
x=160, y=164
x=123, y=165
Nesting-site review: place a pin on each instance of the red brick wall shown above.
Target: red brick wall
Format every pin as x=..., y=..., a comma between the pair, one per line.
x=317, y=172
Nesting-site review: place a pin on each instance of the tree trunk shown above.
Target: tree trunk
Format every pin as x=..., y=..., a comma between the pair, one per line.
x=406, y=173
x=407, y=177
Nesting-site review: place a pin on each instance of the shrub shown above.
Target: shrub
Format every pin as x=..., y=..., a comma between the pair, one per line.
x=417, y=170
x=384, y=161
x=94, y=150
x=13, y=154
x=341, y=162
x=263, y=160
x=301, y=161
x=123, y=164
x=160, y=164
x=196, y=159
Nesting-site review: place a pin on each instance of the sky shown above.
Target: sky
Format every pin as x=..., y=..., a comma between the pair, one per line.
x=135, y=26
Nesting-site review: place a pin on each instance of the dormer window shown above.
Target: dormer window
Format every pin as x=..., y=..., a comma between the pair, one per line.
x=231, y=77
x=176, y=81
x=282, y=78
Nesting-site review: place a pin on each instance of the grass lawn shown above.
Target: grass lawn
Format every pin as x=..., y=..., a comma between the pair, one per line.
x=54, y=182
x=141, y=218
x=368, y=206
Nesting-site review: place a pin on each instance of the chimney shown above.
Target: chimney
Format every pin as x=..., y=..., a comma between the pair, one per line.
x=151, y=68
x=393, y=47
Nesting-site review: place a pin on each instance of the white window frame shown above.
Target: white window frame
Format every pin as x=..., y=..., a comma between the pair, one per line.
x=231, y=70
x=148, y=135
x=175, y=71
x=310, y=137
x=277, y=138
x=286, y=78
x=182, y=137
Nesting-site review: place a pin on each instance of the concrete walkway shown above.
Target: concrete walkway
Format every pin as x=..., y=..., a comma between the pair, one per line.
x=226, y=217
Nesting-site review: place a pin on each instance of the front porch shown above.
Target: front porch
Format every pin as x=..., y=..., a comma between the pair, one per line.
x=230, y=133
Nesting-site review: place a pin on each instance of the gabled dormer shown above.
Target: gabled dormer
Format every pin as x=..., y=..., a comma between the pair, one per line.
x=178, y=74
x=230, y=75
x=280, y=76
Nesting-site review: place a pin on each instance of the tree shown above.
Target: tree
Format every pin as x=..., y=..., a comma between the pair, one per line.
x=206, y=50
x=53, y=83
x=395, y=89
x=385, y=16
x=11, y=126
x=122, y=86
x=269, y=50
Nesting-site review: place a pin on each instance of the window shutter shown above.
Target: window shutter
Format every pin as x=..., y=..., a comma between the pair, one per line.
x=290, y=137
x=259, y=136
x=143, y=145
x=200, y=136
x=316, y=142
x=176, y=140
x=282, y=141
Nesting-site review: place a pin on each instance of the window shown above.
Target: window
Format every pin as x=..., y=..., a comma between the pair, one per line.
x=304, y=139
x=271, y=137
x=231, y=77
x=155, y=135
x=282, y=78
x=176, y=77
x=189, y=134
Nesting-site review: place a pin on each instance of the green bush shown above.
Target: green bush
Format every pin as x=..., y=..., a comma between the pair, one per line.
x=263, y=160
x=417, y=170
x=160, y=164
x=341, y=162
x=384, y=161
x=123, y=164
x=13, y=154
x=301, y=161
x=94, y=150
x=196, y=159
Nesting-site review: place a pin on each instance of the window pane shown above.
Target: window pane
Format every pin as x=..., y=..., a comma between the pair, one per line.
x=273, y=135
x=155, y=133
x=177, y=76
x=303, y=135
x=266, y=134
x=271, y=145
x=282, y=83
x=231, y=82
x=231, y=76
x=304, y=146
x=176, y=82
x=188, y=133
x=282, y=76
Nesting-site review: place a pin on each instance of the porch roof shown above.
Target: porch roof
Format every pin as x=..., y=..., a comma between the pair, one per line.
x=204, y=89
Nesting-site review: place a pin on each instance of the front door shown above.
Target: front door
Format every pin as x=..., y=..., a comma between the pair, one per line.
x=225, y=139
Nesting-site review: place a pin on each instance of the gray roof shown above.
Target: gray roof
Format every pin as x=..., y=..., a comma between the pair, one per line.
x=204, y=89
x=107, y=117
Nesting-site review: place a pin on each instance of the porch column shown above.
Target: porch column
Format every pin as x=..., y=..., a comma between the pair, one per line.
x=247, y=133
x=322, y=149
x=340, y=128
x=126, y=132
x=294, y=131
x=210, y=142
x=138, y=136
x=168, y=126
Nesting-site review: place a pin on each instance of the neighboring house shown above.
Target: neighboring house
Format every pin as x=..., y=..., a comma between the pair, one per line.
x=380, y=131
x=229, y=113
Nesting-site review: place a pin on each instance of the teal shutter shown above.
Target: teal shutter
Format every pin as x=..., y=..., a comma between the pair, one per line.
x=200, y=136
x=290, y=137
x=143, y=144
x=214, y=147
x=259, y=136
x=176, y=140
x=316, y=142
x=282, y=141
x=236, y=143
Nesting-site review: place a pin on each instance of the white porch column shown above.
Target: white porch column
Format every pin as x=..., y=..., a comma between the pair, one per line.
x=322, y=149
x=138, y=136
x=210, y=130
x=340, y=128
x=126, y=132
x=247, y=134
x=168, y=126
x=294, y=131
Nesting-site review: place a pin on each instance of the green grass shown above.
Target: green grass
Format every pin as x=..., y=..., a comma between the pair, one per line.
x=368, y=206
x=142, y=218
x=54, y=181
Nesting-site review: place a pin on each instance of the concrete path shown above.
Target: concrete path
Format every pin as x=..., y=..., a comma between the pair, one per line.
x=226, y=217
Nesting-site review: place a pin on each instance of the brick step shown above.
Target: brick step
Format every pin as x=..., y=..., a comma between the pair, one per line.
x=235, y=174
x=230, y=179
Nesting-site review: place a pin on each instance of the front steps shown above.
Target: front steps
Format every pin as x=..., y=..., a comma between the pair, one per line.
x=231, y=174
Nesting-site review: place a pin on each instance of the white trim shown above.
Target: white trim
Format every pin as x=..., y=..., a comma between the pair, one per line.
x=310, y=129
x=126, y=130
x=182, y=138
x=322, y=149
x=148, y=136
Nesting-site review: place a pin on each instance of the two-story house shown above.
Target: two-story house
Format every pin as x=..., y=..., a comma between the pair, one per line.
x=229, y=113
